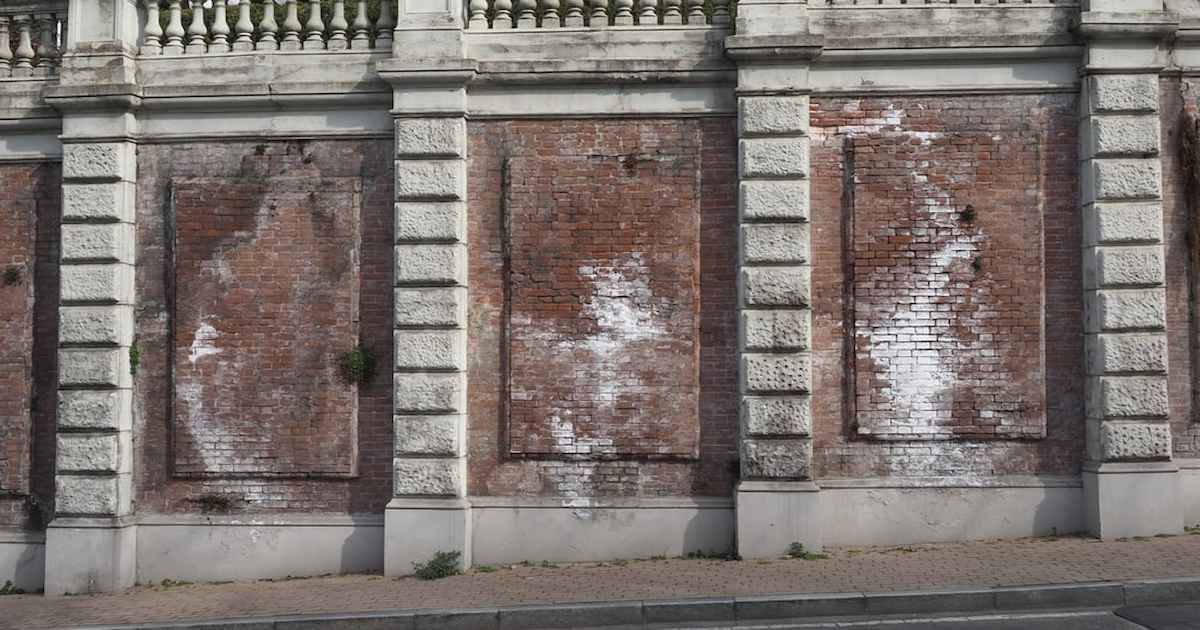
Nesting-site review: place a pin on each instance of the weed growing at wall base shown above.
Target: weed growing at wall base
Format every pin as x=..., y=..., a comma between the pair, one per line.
x=444, y=564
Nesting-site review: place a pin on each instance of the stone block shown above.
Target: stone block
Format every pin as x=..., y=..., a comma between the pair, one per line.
x=110, y=284
x=111, y=202
x=768, y=373
x=1124, y=441
x=1123, y=266
x=429, y=264
x=776, y=416
x=788, y=459
x=430, y=435
x=428, y=477
x=1118, y=179
x=95, y=325
x=775, y=286
x=444, y=307
x=94, y=367
x=765, y=115
x=425, y=393
x=1110, y=223
x=1125, y=309
x=1126, y=352
x=430, y=349
x=771, y=330
x=95, y=409
x=431, y=221
x=774, y=200
x=431, y=179
x=441, y=137
x=1125, y=135
x=102, y=242
x=102, y=160
x=775, y=243
x=108, y=495
x=1124, y=92
x=92, y=452
x=1128, y=397
x=773, y=157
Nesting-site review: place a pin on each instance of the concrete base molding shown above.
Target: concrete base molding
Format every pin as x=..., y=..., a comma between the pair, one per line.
x=771, y=515
x=416, y=529
x=1142, y=499
x=90, y=555
x=23, y=559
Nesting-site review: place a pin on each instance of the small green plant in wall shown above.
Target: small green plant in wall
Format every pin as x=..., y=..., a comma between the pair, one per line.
x=135, y=358
x=443, y=564
x=12, y=276
x=358, y=366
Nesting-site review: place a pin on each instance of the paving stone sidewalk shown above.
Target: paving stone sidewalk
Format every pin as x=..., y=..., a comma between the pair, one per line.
x=867, y=569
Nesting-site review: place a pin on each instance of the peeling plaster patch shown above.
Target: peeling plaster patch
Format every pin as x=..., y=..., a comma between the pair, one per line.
x=204, y=342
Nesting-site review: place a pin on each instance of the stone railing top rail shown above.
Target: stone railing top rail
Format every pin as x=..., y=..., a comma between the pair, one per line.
x=915, y=4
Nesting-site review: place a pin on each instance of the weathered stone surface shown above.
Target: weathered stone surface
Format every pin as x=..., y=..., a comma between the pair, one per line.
x=431, y=137
x=1128, y=396
x=776, y=459
x=101, y=496
x=1124, y=93
x=434, y=477
x=1117, y=179
x=425, y=221
x=431, y=179
x=98, y=202
x=103, y=242
x=430, y=392
x=773, y=114
x=776, y=329
x=95, y=409
x=1135, y=441
x=90, y=452
x=1124, y=309
x=97, y=283
x=1125, y=135
x=774, y=200
x=430, y=435
x=774, y=157
x=1117, y=266
x=775, y=243
x=443, y=307
x=775, y=286
x=108, y=160
x=431, y=349
x=1127, y=352
x=774, y=416
x=94, y=367
x=95, y=325
x=431, y=264
x=776, y=373
x=1106, y=223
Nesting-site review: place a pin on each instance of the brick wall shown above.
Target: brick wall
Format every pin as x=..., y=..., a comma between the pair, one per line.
x=279, y=451
x=30, y=208
x=669, y=157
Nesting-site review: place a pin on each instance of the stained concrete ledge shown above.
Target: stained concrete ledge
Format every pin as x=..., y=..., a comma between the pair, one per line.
x=671, y=613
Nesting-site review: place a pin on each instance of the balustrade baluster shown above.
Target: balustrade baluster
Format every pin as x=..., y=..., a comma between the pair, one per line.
x=47, y=52
x=175, y=32
x=599, y=14
x=197, y=31
x=338, y=27
x=622, y=12
x=720, y=14
x=526, y=13
x=672, y=13
x=695, y=13
x=152, y=34
x=314, y=28
x=220, y=29
x=574, y=14
x=647, y=12
x=551, y=17
x=477, y=9
x=6, y=53
x=267, y=28
x=23, y=65
x=244, y=40
x=503, y=18
x=384, y=26
x=362, y=28
x=291, y=28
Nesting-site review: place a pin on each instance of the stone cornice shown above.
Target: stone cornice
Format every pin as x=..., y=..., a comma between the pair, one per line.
x=774, y=48
x=1095, y=25
x=402, y=73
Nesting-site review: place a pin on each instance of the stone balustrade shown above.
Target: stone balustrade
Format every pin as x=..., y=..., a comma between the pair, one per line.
x=31, y=43
x=550, y=14
x=868, y=4
x=222, y=26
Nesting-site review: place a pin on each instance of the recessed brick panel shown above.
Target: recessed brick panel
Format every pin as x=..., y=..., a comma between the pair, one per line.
x=604, y=315
x=947, y=264
x=266, y=286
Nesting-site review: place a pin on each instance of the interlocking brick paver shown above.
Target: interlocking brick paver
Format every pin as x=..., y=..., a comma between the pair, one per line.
x=870, y=569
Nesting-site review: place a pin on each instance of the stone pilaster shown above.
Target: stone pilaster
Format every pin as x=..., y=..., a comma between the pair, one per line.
x=429, y=512
x=777, y=502
x=1130, y=482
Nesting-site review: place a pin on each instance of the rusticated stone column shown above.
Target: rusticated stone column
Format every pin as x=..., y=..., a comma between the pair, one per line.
x=1130, y=482
x=777, y=501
